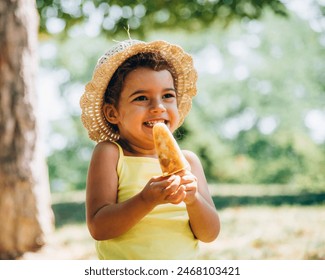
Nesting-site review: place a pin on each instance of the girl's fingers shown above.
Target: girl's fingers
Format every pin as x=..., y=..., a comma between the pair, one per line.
x=177, y=196
x=188, y=178
x=173, y=183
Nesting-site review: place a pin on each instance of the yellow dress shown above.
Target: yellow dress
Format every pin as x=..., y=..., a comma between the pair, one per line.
x=164, y=234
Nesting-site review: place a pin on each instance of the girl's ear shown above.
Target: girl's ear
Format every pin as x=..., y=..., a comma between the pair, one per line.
x=110, y=113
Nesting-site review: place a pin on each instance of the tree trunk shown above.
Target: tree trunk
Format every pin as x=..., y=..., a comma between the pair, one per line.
x=25, y=210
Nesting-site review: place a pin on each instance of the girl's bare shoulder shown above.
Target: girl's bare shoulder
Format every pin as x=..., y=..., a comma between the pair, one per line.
x=106, y=151
x=190, y=156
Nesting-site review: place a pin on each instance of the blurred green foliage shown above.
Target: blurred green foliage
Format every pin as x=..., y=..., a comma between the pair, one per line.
x=258, y=82
x=250, y=126
x=111, y=17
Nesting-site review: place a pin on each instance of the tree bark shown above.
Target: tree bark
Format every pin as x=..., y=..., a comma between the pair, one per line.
x=25, y=210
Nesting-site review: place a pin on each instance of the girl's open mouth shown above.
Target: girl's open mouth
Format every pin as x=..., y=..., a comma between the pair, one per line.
x=152, y=123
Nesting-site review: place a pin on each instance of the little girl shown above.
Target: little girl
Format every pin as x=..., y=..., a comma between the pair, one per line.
x=133, y=212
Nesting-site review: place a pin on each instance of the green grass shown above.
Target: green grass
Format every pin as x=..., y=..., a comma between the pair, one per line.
x=257, y=223
x=267, y=232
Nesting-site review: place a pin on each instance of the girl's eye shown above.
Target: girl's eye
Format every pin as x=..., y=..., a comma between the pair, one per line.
x=169, y=95
x=141, y=98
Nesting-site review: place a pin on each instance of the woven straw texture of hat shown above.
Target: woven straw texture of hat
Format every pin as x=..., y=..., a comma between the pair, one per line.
x=91, y=101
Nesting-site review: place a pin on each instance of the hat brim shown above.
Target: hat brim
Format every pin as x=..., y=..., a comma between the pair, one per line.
x=92, y=100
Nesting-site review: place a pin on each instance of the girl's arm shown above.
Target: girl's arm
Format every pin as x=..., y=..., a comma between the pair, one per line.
x=106, y=218
x=204, y=219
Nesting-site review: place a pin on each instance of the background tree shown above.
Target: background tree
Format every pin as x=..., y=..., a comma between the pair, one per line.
x=25, y=213
x=112, y=17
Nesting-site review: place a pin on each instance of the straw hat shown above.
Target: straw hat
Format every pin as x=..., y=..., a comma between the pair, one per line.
x=92, y=100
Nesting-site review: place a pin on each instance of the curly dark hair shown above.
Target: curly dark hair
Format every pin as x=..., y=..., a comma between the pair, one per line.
x=149, y=60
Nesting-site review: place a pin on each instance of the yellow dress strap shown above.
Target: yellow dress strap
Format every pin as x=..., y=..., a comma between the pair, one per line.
x=121, y=156
x=119, y=148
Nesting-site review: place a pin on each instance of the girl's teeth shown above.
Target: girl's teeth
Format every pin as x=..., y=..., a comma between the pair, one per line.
x=153, y=123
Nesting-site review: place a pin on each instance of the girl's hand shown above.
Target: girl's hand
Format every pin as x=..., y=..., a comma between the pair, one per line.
x=161, y=190
x=189, y=181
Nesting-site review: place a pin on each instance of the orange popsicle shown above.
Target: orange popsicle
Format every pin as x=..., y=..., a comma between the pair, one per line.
x=170, y=156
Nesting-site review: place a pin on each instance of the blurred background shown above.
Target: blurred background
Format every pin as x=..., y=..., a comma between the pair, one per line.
x=257, y=122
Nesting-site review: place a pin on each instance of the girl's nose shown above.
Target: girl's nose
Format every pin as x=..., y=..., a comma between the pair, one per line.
x=157, y=107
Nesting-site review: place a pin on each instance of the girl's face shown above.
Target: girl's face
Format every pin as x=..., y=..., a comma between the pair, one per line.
x=147, y=97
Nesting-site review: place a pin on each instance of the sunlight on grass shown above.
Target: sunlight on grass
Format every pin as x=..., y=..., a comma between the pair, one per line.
x=254, y=232
x=261, y=232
